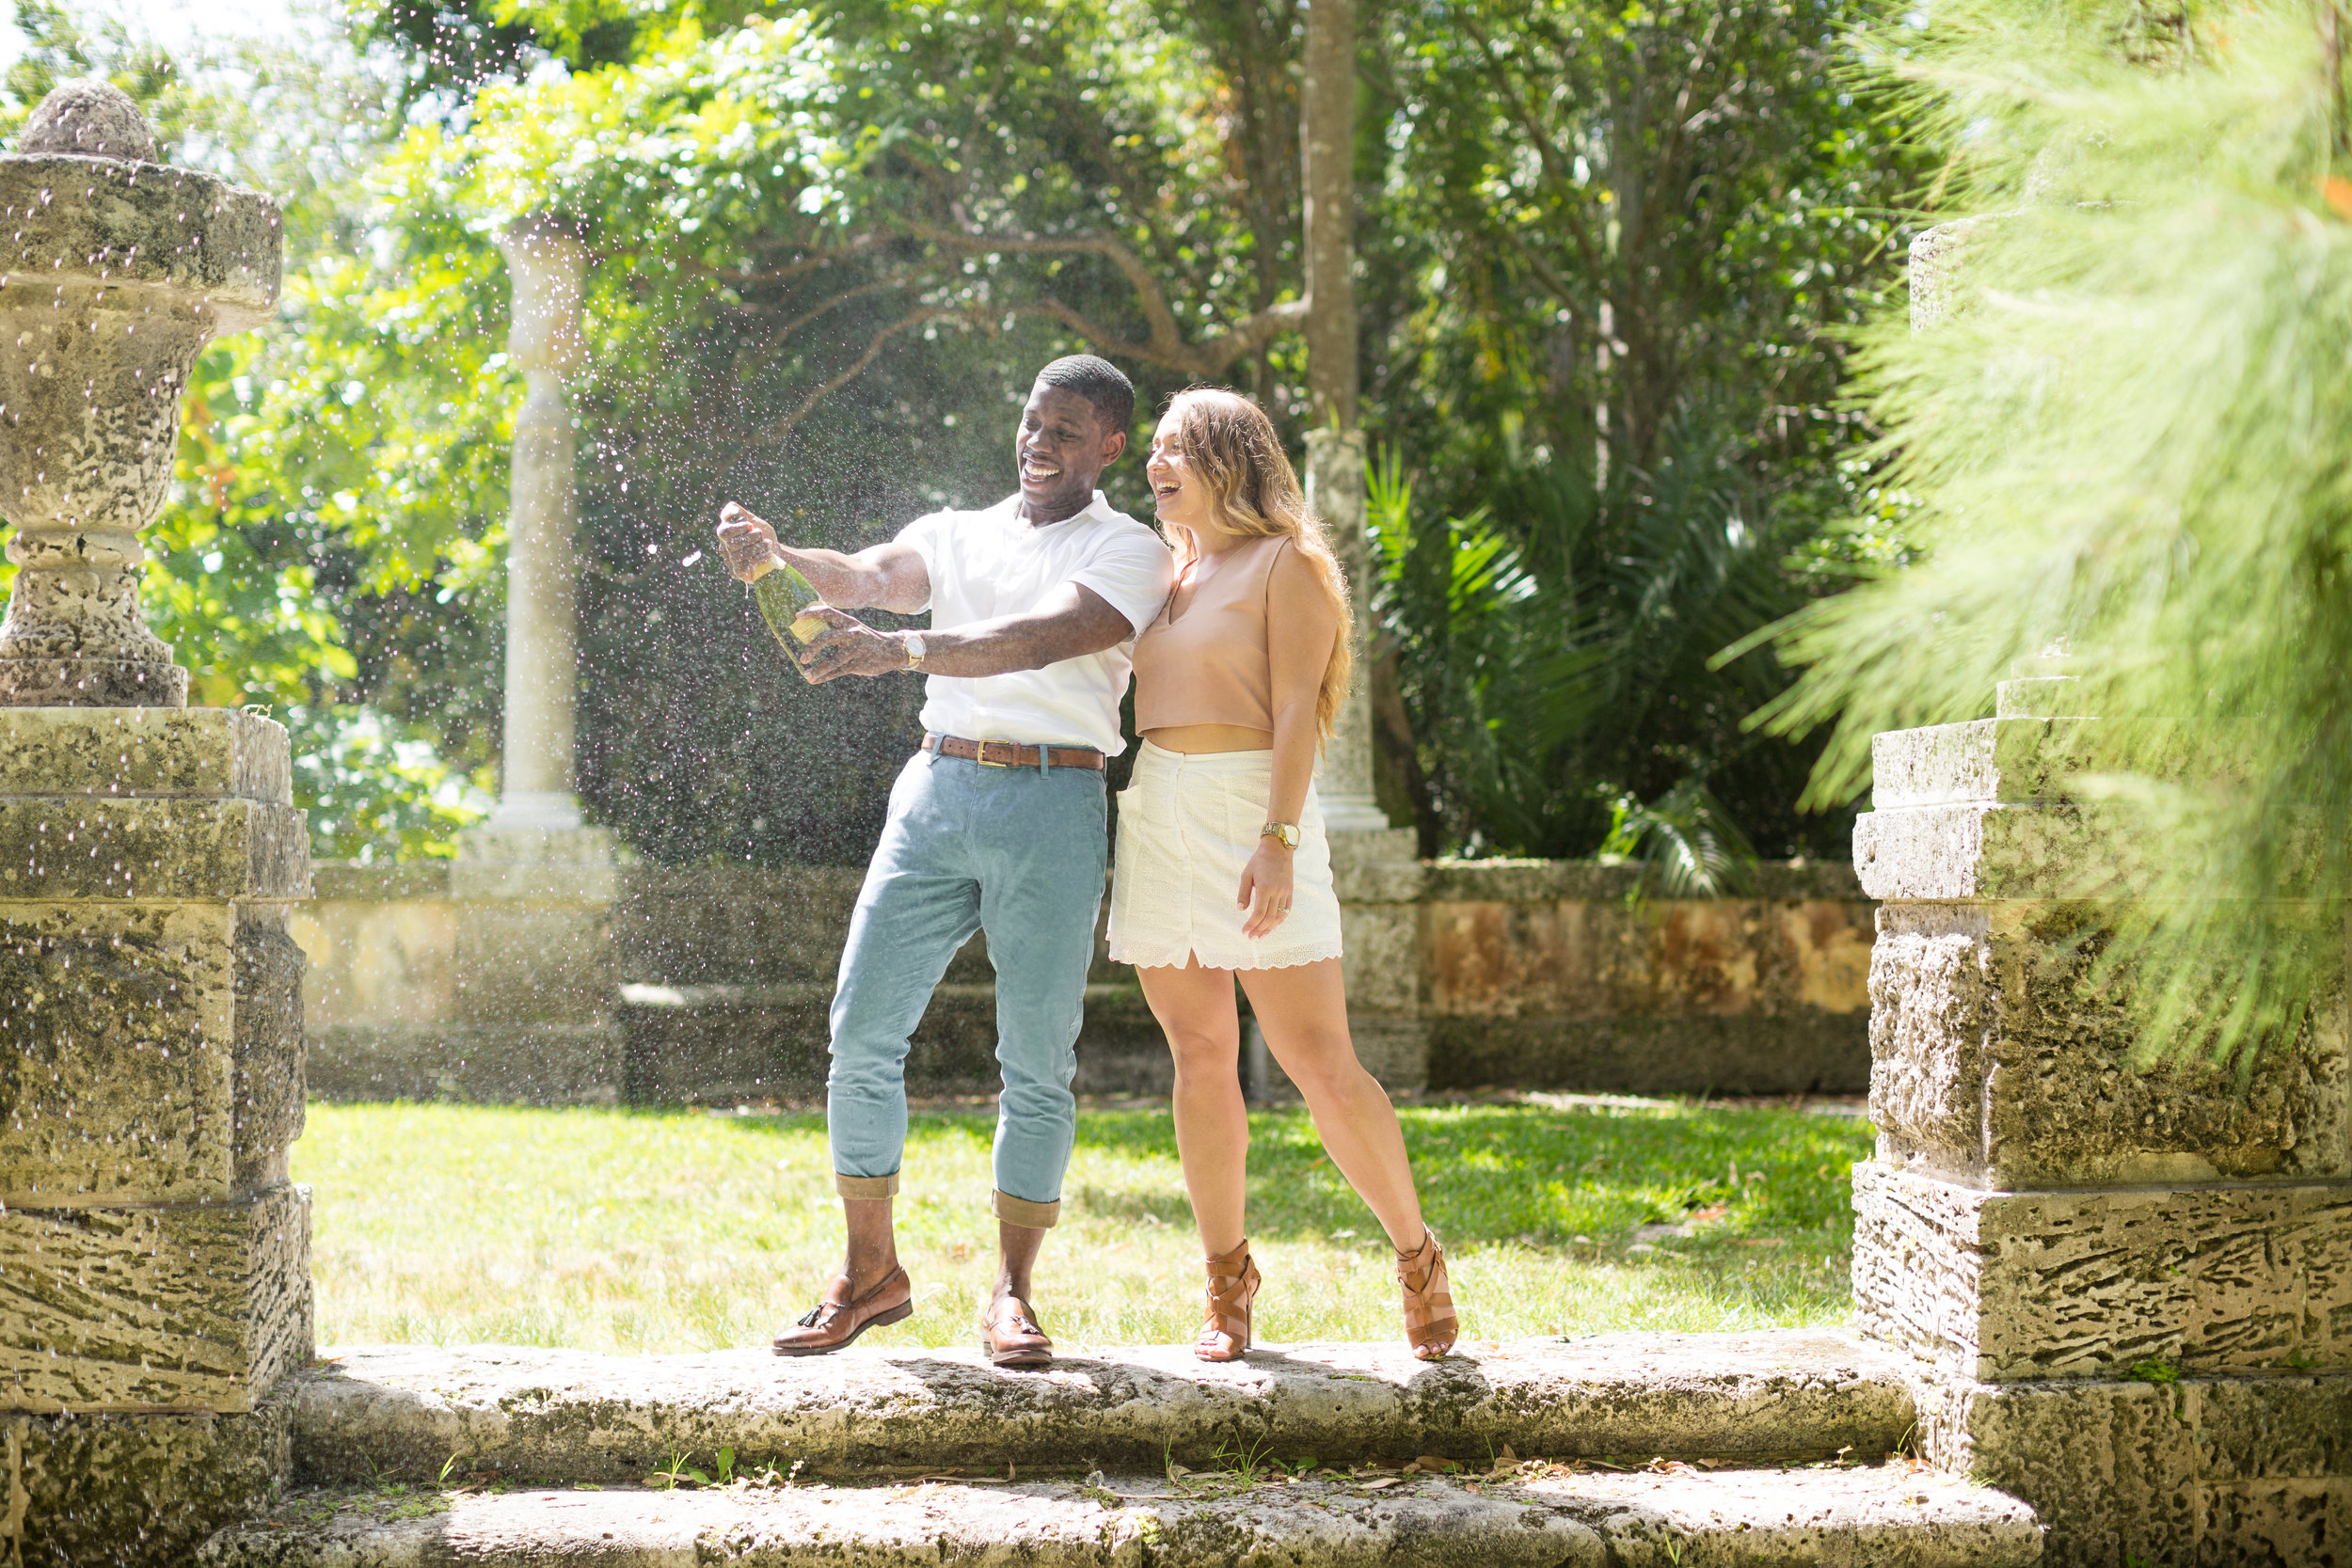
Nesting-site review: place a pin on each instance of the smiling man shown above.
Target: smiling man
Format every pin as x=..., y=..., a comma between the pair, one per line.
x=995, y=825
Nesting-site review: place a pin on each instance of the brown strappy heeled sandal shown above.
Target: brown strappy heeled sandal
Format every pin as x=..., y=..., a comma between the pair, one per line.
x=1233, y=1283
x=1430, y=1327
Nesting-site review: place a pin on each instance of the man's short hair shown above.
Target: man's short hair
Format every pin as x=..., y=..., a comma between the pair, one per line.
x=1099, y=381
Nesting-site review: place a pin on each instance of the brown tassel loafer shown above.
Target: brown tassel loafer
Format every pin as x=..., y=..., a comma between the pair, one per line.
x=841, y=1318
x=1010, y=1336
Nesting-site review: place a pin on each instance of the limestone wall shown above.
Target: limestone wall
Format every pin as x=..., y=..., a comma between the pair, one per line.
x=1531, y=973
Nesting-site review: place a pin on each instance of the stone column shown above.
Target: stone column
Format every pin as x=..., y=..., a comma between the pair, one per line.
x=154, y=1270
x=537, y=973
x=550, y=270
x=1373, y=865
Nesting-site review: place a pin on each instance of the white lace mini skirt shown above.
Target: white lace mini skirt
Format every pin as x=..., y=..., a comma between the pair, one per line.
x=1187, y=825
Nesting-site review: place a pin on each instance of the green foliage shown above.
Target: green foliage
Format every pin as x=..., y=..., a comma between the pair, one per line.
x=2126, y=442
x=1612, y=258
x=1604, y=254
x=1564, y=675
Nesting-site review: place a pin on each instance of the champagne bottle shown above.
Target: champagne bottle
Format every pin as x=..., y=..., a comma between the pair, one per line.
x=784, y=598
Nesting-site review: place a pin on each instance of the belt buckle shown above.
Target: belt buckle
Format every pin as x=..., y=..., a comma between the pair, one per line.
x=981, y=756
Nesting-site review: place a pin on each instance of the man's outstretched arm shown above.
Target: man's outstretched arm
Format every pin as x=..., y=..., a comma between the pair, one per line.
x=1068, y=623
x=887, y=577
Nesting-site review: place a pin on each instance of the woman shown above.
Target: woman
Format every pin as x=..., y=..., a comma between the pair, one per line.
x=1236, y=685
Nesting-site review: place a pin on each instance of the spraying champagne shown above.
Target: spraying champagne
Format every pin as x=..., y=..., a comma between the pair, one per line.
x=784, y=598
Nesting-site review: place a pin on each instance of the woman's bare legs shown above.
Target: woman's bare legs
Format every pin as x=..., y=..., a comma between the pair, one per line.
x=1303, y=1011
x=1196, y=1008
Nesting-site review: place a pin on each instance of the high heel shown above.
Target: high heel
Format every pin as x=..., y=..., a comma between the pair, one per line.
x=1430, y=1326
x=1233, y=1282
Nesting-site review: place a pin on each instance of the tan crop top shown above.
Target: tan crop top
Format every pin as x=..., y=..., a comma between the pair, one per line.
x=1209, y=665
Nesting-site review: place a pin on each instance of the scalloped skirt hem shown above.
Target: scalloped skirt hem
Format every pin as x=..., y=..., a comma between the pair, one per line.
x=1187, y=827
x=1315, y=955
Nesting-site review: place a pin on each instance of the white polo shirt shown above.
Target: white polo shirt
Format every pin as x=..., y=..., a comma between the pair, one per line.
x=992, y=562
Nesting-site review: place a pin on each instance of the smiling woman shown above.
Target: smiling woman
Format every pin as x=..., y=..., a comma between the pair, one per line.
x=624, y=1231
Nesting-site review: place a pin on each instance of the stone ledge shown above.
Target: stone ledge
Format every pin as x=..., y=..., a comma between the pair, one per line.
x=524, y=1064
x=2016, y=1287
x=205, y=752
x=1808, y=1051
x=534, y=883
x=1848, y=1518
x=1526, y=882
x=372, y=884
x=2203, y=1470
x=1768, y=1396
x=59, y=848
x=203, y=1308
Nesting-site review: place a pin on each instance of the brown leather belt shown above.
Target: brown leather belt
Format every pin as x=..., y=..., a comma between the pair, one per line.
x=1012, y=753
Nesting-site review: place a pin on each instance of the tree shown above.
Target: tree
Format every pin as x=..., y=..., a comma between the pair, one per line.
x=2126, y=439
x=1616, y=252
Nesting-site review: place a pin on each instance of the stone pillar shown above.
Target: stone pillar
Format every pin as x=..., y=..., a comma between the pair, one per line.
x=2129, y=1291
x=154, y=1268
x=537, y=972
x=550, y=270
x=1373, y=865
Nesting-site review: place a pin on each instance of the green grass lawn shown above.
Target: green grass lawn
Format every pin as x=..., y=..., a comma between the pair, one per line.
x=684, y=1231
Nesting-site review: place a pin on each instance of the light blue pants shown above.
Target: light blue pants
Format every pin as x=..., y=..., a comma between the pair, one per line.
x=1018, y=853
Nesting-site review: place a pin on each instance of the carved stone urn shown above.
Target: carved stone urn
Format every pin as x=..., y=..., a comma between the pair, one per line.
x=114, y=270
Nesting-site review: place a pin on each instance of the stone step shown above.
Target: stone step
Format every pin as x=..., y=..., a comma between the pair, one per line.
x=569, y=1415
x=1533, y=1516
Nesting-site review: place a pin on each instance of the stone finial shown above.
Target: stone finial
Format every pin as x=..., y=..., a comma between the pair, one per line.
x=92, y=117
x=115, y=278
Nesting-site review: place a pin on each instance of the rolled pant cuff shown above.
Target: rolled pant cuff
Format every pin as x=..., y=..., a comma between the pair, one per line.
x=1021, y=1211
x=866, y=1186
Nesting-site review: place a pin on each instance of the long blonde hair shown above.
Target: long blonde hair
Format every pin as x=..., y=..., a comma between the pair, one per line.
x=1231, y=447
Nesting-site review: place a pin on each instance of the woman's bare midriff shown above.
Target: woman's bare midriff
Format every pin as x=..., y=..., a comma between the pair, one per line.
x=1196, y=740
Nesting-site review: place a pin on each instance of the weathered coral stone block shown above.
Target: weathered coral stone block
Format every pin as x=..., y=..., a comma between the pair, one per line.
x=2020, y=760
x=1986, y=850
x=162, y=752
x=2253, y=1470
x=1998, y=1058
x=118, y=1489
x=194, y=1308
x=67, y=847
x=148, y=1051
x=2003, y=1287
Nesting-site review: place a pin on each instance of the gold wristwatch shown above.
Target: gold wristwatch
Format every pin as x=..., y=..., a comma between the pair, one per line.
x=915, y=650
x=1286, y=831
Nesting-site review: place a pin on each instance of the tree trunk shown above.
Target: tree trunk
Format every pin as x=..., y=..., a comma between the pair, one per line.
x=1335, y=448
x=1327, y=175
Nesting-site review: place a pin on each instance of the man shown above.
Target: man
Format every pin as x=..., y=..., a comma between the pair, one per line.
x=996, y=824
